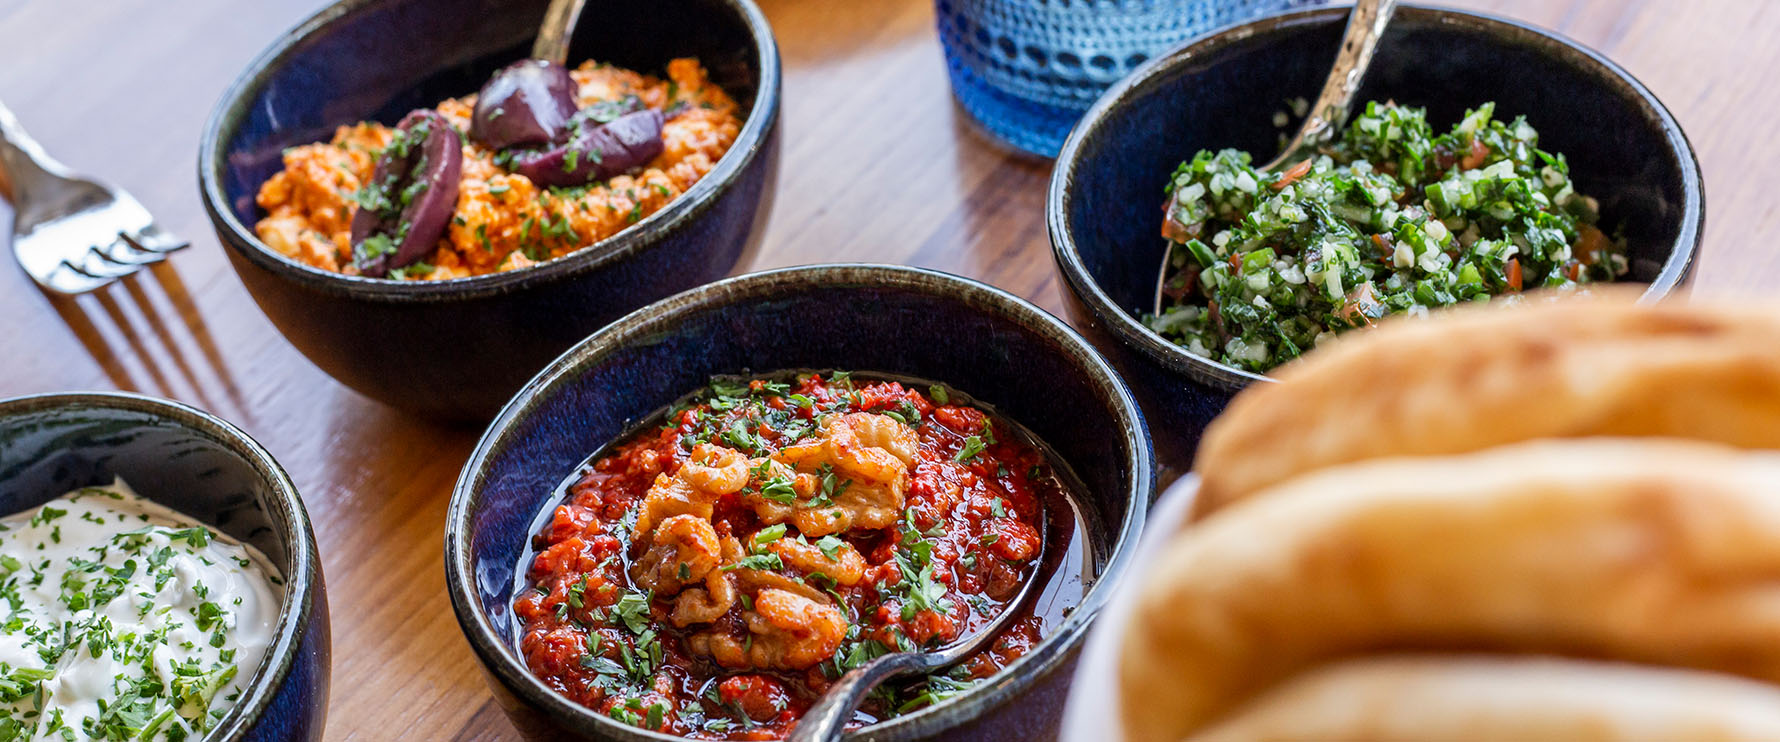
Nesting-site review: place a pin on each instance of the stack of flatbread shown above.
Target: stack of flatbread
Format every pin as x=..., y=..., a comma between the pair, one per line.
x=1557, y=521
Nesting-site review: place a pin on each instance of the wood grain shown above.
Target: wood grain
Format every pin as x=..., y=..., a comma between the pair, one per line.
x=878, y=165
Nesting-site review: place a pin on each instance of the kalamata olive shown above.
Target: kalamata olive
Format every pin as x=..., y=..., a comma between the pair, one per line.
x=594, y=151
x=413, y=191
x=525, y=104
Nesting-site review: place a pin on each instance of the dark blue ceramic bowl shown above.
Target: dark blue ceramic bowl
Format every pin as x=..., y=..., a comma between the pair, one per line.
x=457, y=349
x=1222, y=90
x=899, y=321
x=210, y=470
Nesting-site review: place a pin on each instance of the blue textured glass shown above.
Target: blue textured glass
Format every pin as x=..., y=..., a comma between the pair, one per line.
x=1026, y=70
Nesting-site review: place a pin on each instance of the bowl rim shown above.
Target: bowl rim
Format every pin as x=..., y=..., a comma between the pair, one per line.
x=232, y=108
x=502, y=663
x=1130, y=333
x=1095, y=686
x=296, y=609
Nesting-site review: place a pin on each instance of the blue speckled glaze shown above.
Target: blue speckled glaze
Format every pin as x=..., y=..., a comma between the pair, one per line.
x=898, y=321
x=1222, y=90
x=210, y=470
x=477, y=339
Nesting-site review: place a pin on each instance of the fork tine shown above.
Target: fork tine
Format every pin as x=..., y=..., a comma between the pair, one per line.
x=130, y=257
x=121, y=270
x=160, y=242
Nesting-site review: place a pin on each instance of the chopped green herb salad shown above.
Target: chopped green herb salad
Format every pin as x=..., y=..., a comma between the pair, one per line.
x=1389, y=219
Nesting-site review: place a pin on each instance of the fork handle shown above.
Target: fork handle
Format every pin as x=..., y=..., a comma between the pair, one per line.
x=23, y=159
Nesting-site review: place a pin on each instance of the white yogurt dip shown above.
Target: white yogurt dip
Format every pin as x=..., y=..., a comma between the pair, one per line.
x=123, y=619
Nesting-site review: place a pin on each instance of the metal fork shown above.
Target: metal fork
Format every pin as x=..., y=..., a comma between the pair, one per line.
x=72, y=233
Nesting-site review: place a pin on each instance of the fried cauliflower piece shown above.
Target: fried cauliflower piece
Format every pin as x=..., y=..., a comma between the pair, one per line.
x=871, y=453
x=682, y=551
x=786, y=631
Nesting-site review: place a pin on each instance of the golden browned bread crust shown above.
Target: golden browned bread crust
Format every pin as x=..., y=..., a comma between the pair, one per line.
x=1480, y=698
x=1482, y=376
x=1645, y=550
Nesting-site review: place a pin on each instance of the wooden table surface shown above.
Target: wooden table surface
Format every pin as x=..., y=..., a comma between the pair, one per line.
x=122, y=87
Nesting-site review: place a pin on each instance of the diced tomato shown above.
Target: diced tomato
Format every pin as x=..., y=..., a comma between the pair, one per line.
x=1512, y=270
x=758, y=696
x=1013, y=539
x=927, y=627
x=1174, y=231
x=1590, y=242
x=1477, y=156
x=882, y=396
x=1292, y=175
x=959, y=419
x=569, y=520
x=1359, y=305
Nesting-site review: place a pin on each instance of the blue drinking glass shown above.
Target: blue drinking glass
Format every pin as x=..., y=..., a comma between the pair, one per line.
x=1026, y=70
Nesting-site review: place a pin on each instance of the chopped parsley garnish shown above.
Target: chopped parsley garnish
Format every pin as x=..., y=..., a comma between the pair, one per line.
x=779, y=490
x=829, y=545
x=973, y=446
x=632, y=609
x=767, y=561
x=109, y=590
x=769, y=534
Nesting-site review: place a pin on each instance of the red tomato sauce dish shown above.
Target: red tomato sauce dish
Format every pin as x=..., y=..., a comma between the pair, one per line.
x=712, y=575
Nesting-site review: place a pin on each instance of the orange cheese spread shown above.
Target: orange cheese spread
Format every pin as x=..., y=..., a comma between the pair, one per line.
x=503, y=221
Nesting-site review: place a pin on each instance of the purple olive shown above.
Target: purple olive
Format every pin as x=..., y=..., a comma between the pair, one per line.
x=624, y=143
x=526, y=103
x=413, y=191
x=595, y=151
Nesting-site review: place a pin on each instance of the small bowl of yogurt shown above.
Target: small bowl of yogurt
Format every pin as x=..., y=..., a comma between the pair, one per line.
x=158, y=578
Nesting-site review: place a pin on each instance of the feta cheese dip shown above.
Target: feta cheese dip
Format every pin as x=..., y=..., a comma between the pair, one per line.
x=123, y=619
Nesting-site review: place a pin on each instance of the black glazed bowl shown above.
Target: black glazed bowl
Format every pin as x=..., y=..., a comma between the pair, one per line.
x=1221, y=90
x=996, y=347
x=457, y=349
x=208, y=469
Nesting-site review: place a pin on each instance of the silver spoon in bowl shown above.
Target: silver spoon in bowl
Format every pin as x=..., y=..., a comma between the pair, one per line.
x=1365, y=25
x=825, y=721
x=552, y=44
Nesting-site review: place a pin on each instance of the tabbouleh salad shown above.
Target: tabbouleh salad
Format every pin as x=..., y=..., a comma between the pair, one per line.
x=1388, y=219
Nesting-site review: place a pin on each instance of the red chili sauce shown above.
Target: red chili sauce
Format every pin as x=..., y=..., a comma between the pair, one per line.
x=712, y=577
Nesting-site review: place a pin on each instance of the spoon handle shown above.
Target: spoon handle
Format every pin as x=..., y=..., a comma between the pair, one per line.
x=825, y=720
x=553, y=36
x=1365, y=24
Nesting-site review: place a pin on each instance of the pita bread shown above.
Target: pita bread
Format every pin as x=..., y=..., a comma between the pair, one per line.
x=1476, y=698
x=1481, y=377
x=1645, y=550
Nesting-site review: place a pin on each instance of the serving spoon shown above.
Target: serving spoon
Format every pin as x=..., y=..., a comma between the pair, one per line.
x=1365, y=25
x=552, y=44
x=825, y=721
